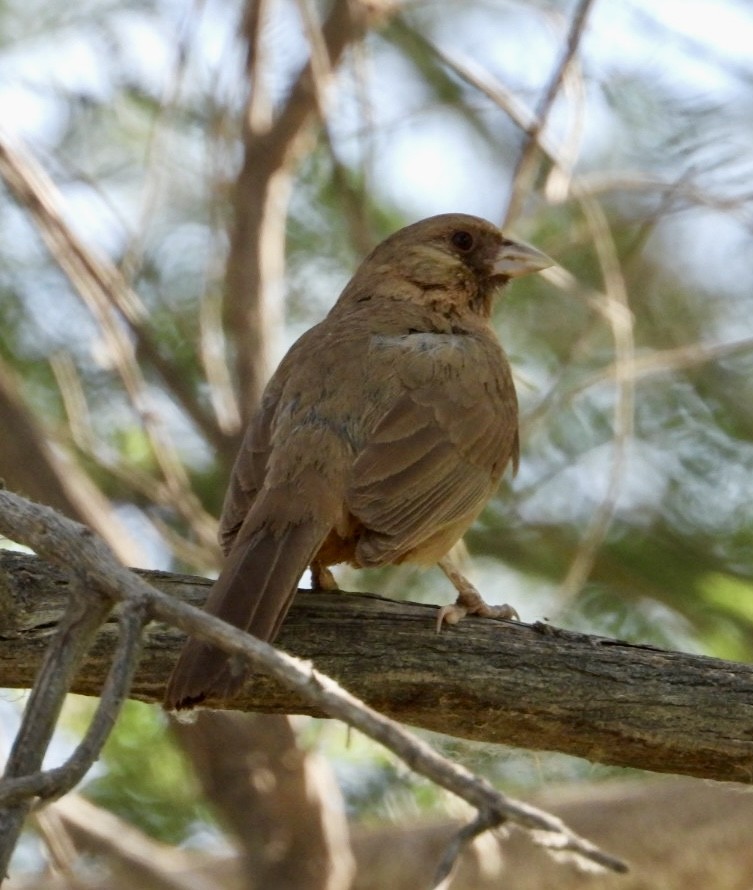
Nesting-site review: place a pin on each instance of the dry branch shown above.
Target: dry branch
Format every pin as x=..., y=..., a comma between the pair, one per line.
x=70, y=545
x=120, y=318
x=72, y=636
x=54, y=783
x=532, y=686
x=273, y=145
x=525, y=168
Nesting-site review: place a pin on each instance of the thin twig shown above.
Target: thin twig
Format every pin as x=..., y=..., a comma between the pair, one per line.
x=354, y=202
x=61, y=851
x=83, y=617
x=62, y=541
x=213, y=355
x=165, y=114
x=129, y=851
x=319, y=61
x=637, y=368
x=666, y=361
x=53, y=783
x=108, y=297
x=616, y=310
x=111, y=302
x=557, y=186
x=253, y=28
x=485, y=820
x=202, y=549
x=525, y=168
x=256, y=260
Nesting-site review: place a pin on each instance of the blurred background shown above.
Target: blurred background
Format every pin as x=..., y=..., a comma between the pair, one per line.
x=213, y=175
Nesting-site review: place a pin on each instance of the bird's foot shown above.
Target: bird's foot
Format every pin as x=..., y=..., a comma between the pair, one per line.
x=322, y=578
x=473, y=605
x=469, y=601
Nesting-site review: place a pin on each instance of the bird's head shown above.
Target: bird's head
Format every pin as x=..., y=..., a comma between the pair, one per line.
x=454, y=259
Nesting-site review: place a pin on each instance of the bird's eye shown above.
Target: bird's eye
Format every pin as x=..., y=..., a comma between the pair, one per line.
x=462, y=240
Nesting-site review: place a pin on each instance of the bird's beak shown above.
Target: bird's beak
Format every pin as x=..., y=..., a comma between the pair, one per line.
x=515, y=258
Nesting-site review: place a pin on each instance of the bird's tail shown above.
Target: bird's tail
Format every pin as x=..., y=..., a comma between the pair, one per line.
x=254, y=592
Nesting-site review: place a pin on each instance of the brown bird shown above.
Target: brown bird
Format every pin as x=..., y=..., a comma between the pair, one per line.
x=379, y=439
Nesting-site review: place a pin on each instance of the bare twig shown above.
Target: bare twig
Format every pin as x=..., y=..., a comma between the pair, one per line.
x=736, y=206
x=616, y=311
x=213, y=354
x=142, y=861
x=319, y=61
x=483, y=822
x=259, y=107
x=108, y=297
x=354, y=200
x=61, y=850
x=272, y=148
x=31, y=462
x=53, y=783
x=111, y=302
x=150, y=189
x=59, y=539
x=202, y=549
x=526, y=166
x=666, y=361
x=80, y=623
x=636, y=369
x=557, y=186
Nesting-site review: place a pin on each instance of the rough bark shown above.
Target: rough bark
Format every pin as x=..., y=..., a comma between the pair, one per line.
x=532, y=686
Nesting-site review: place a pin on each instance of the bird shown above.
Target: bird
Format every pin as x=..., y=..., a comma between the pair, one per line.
x=378, y=440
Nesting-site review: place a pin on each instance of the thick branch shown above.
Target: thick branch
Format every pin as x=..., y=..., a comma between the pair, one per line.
x=256, y=261
x=65, y=543
x=499, y=682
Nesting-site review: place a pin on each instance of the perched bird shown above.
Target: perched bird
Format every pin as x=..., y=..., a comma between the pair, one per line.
x=379, y=439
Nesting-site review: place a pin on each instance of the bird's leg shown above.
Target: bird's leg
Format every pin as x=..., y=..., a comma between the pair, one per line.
x=469, y=601
x=321, y=577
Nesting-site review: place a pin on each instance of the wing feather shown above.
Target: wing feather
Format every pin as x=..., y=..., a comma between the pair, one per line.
x=434, y=457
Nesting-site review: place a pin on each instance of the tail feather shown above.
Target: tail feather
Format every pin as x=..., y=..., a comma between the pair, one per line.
x=254, y=592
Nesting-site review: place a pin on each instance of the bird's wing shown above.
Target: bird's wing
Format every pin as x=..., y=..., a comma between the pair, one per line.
x=247, y=476
x=435, y=455
x=273, y=440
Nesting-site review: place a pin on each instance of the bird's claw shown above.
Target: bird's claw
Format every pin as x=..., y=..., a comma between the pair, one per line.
x=469, y=603
x=450, y=615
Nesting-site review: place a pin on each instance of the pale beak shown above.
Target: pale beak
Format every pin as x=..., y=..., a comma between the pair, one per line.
x=515, y=258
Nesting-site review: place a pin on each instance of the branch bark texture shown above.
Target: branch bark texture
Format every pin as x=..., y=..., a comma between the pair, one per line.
x=67, y=543
x=532, y=686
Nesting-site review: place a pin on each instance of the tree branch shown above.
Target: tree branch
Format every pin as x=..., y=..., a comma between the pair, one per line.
x=75, y=631
x=532, y=686
x=30, y=462
x=526, y=167
x=54, y=783
x=67, y=543
x=272, y=146
x=102, y=288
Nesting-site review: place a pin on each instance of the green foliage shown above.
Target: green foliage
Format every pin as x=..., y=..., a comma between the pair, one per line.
x=146, y=780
